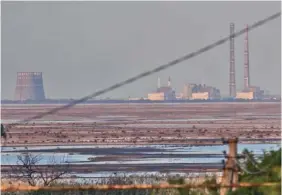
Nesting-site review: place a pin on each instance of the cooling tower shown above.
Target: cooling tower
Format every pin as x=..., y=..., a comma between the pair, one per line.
x=29, y=86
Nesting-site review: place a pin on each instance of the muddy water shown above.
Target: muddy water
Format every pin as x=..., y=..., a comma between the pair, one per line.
x=164, y=153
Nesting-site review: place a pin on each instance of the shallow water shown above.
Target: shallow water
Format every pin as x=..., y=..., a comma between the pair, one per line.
x=9, y=157
x=176, y=148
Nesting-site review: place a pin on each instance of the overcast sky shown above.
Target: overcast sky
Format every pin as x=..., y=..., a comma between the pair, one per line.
x=84, y=46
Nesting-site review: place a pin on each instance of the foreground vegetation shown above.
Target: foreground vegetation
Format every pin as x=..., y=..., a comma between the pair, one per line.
x=265, y=169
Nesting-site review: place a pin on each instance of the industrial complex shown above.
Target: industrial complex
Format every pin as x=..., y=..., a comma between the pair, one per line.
x=204, y=92
x=249, y=91
x=190, y=92
x=30, y=84
x=163, y=92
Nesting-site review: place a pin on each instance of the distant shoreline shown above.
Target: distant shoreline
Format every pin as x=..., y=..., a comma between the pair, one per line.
x=28, y=102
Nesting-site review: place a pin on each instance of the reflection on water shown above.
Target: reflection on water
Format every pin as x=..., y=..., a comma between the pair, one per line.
x=8, y=157
x=11, y=158
x=175, y=148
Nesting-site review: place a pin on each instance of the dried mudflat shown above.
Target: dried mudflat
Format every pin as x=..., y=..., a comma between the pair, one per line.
x=186, y=123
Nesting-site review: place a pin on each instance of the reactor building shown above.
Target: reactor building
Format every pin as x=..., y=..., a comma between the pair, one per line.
x=163, y=92
x=200, y=92
x=29, y=86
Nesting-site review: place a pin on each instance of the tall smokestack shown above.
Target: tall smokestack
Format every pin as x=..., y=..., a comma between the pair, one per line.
x=232, y=81
x=159, y=82
x=169, y=82
x=246, y=63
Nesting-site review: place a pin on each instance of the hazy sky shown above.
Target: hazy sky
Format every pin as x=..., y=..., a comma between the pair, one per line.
x=84, y=46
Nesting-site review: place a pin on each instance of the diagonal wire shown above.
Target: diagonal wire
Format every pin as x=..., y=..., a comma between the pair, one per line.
x=147, y=73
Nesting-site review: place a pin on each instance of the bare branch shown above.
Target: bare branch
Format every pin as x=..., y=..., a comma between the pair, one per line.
x=28, y=169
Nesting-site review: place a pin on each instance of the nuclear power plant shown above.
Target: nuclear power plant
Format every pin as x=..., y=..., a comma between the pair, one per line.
x=29, y=86
x=200, y=92
x=204, y=92
x=249, y=91
x=163, y=92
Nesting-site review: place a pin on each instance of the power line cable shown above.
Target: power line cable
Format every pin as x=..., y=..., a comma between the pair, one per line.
x=147, y=73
